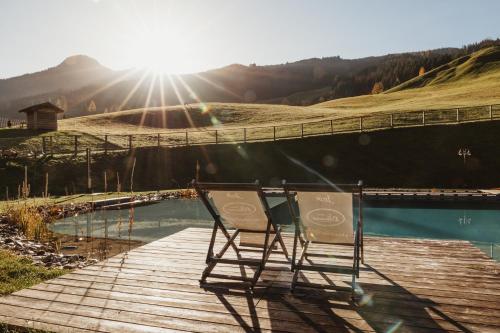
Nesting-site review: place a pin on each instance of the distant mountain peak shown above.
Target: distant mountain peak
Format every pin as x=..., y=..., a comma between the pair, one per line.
x=80, y=60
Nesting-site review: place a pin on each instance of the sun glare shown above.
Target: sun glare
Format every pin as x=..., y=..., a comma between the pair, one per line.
x=163, y=53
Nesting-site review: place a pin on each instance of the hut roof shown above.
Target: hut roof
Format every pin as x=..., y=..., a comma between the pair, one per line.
x=46, y=105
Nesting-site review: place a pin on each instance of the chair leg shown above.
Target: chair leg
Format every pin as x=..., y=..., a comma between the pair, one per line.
x=260, y=269
x=282, y=243
x=299, y=265
x=355, y=267
x=228, y=237
x=362, y=248
x=210, y=263
x=296, y=237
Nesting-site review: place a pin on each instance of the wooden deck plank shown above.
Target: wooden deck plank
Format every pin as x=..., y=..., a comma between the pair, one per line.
x=410, y=285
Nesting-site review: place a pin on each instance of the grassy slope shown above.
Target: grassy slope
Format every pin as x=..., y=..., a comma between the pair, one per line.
x=470, y=80
x=17, y=273
x=22, y=139
x=219, y=114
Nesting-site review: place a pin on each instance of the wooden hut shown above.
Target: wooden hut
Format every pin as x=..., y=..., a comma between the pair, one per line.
x=42, y=116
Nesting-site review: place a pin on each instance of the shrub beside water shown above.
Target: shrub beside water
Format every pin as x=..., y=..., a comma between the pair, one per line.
x=29, y=221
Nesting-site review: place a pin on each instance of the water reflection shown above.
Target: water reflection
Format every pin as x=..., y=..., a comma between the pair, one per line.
x=148, y=223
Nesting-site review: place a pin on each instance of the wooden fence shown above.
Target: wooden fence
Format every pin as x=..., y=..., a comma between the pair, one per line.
x=13, y=122
x=74, y=144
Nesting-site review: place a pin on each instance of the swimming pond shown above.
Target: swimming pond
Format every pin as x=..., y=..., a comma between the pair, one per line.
x=480, y=225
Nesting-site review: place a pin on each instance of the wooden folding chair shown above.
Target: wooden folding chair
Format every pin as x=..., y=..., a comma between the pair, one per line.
x=244, y=207
x=326, y=216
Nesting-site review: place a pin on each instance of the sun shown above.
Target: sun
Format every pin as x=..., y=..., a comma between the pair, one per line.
x=163, y=52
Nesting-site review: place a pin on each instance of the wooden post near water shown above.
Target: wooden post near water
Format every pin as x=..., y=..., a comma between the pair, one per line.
x=76, y=145
x=89, y=179
x=106, y=144
x=46, y=192
x=105, y=182
x=132, y=176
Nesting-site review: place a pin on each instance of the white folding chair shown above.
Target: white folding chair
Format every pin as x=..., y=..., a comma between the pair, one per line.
x=325, y=216
x=244, y=207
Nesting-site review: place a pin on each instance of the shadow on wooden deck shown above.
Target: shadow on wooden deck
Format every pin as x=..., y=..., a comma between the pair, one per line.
x=408, y=286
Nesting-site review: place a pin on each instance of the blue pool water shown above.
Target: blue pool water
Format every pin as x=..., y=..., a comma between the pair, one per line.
x=148, y=223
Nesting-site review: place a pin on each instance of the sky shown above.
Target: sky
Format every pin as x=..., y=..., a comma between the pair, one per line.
x=186, y=36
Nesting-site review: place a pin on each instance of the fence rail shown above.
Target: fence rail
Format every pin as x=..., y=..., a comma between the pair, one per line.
x=75, y=144
x=4, y=122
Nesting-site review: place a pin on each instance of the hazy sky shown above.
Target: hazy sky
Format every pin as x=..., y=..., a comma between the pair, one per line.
x=186, y=36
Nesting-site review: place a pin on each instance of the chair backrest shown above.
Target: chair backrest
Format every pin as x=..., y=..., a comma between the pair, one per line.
x=326, y=214
x=241, y=209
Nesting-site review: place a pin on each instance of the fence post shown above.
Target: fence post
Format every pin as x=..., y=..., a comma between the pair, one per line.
x=244, y=135
x=458, y=115
x=423, y=118
x=331, y=126
x=44, y=145
x=491, y=112
x=105, y=182
x=361, y=124
x=187, y=138
x=130, y=142
x=89, y=179
x=106, y=144
x=392, y=120
x=76, y=145
x=302, y=130
x=216, y=137
x=158, y=139
x=274, y=133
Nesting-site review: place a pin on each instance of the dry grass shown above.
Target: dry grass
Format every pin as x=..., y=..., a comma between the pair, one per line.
x=29, y=220
x=220, y=115
x=471, y=80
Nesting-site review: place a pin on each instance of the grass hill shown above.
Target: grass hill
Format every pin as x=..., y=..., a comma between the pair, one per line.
x=83, y=87
x=486, y=61
x=469, y=80
x=73, y=73
x=208, y=115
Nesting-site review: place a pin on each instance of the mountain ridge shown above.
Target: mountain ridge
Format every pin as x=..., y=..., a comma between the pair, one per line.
x=80, y=80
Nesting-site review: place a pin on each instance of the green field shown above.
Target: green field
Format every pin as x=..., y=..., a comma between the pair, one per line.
x=17, y=273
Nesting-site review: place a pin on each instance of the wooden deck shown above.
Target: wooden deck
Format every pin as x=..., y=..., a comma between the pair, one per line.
x=409, y=286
